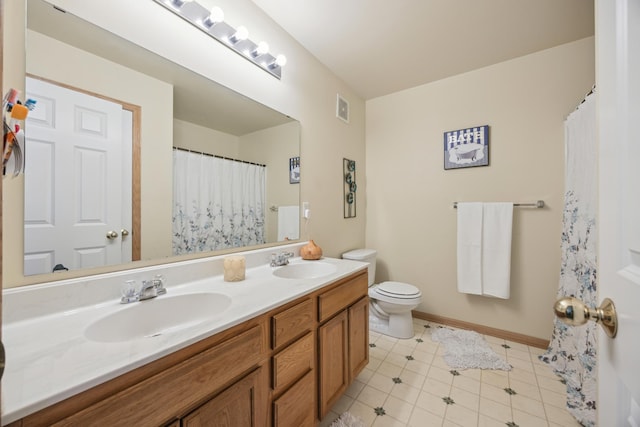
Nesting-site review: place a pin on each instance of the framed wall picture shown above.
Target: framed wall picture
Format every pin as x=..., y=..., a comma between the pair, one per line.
x=465, y=148
x=294, y=170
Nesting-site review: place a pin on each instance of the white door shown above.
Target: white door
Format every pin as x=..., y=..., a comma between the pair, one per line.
x=73, y=180
x=618, y=96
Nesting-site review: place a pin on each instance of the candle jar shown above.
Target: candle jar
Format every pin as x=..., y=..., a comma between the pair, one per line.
x=234, y=268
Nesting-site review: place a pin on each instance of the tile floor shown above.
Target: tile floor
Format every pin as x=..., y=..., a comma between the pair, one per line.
x=407, y=383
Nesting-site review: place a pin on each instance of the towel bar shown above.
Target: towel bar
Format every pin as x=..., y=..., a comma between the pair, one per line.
x=539, y=204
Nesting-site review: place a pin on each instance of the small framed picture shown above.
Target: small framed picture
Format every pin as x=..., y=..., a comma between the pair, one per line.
x=465, y=148
x=294, y=170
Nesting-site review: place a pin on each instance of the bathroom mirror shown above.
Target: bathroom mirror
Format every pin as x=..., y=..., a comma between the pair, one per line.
x=180, y=109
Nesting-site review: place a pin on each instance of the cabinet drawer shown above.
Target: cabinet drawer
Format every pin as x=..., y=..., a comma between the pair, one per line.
x=159, y=398
x=291, y=323
x=293, y=362
x=296, y=406
x=331, y=302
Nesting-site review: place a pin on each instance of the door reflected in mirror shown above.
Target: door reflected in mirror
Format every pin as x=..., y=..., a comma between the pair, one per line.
x=133, y=157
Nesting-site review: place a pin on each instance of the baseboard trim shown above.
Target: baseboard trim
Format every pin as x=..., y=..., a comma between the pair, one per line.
x=485, y=330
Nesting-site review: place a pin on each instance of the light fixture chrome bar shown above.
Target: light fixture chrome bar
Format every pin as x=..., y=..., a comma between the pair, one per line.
x=197, y=15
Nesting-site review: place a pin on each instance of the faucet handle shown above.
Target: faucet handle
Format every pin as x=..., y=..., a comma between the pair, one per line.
x=130, y=292
x=158, y=282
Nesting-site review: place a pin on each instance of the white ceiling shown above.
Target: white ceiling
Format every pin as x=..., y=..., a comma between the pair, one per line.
x=379, y=47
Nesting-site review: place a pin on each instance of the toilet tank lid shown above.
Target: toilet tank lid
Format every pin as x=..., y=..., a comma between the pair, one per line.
x=359, y=254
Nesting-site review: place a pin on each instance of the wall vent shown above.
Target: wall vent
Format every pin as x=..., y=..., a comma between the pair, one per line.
x=342, y=109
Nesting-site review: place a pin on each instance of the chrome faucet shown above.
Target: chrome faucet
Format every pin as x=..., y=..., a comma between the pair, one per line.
x=150, y=289
x=281, y=258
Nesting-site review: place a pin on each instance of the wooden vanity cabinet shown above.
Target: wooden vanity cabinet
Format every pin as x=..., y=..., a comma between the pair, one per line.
x=284, y=368
x=343, y=339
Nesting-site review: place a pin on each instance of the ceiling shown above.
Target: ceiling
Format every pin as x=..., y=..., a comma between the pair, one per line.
x=379, y=47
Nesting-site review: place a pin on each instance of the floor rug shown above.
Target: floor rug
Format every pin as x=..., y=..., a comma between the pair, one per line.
x=347, y=420
x=468, y=350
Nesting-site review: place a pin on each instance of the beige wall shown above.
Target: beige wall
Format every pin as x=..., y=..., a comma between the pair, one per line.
x=306, y=92
x=410, y=218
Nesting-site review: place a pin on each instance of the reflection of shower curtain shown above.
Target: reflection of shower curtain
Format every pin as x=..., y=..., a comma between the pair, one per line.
x=572, y=350
x=217, y=203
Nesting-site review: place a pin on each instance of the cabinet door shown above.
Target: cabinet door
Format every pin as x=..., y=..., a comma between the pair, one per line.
x=358, y=337
x=237, y=406
x=332, y=360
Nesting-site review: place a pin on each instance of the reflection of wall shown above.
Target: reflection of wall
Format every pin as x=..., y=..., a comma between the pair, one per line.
x=194, y=137
x=272, y=147
x=94, y=74
x=410, y=219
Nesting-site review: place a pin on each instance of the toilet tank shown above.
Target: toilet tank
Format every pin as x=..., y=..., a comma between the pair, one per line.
x=364, y=255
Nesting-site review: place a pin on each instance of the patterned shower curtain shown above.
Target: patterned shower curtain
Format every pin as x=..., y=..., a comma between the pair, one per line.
x=572, y=349
x=217, y=203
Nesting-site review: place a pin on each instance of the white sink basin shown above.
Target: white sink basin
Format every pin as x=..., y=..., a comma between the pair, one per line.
x=158, y=316
x=305, y=270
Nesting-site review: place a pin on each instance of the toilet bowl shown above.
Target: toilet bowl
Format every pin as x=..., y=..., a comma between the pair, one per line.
x=390, y=303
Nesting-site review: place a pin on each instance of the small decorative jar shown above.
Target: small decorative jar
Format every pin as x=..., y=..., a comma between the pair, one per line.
x=311, y=251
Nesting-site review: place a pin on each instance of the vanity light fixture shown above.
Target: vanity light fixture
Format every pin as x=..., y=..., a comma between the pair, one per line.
x=211, y=21
x=179, y=3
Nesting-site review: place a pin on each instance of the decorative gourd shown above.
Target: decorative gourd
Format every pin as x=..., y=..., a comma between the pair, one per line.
x=311, y=251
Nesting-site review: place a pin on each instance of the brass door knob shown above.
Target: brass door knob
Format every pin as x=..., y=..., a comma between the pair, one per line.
x=111, y=234
x=574, y=312
x=124, y=232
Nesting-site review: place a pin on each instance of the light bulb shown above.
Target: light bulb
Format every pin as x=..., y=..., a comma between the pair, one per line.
x=261, y=49
x=241, y=34
x=215, y=16
x=281, y=60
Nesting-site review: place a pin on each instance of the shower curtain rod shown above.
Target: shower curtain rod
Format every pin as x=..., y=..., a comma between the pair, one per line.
x=538, y=204
x=219, y=157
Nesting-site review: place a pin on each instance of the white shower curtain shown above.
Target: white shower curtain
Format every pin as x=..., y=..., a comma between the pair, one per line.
x=572, y=350
x=217, y=203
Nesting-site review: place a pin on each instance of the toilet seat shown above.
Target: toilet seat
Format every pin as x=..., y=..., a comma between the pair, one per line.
x=396, y=293
x=398, y=290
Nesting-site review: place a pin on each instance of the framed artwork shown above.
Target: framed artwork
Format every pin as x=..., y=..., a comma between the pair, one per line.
x=350, y=187
x=465, y=148
x=294, y=170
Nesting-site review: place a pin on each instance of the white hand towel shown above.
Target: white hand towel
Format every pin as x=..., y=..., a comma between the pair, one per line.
x=497, y=221
x=470, y=248
x=288, y=223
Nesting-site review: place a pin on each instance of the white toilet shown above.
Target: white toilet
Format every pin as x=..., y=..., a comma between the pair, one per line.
x=390, y=302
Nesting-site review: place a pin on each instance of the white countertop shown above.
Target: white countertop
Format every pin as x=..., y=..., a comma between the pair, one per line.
x=49, y=358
